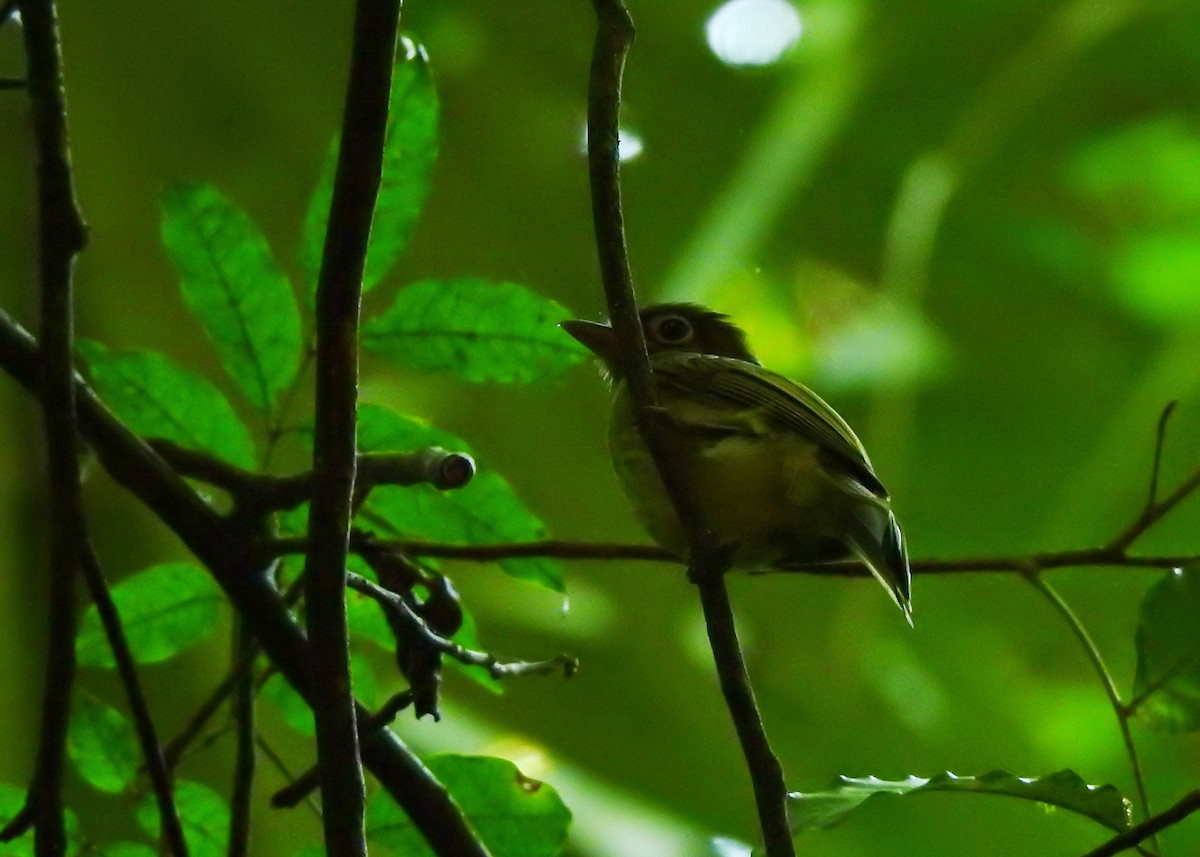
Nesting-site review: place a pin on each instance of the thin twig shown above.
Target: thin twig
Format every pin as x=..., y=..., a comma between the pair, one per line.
x=147, y=734
x=1160, y=437
x=276, y=760
x=1186, y=805
x=708, y=562
x=245, y=763
x=61, y=236
x=1106, y=680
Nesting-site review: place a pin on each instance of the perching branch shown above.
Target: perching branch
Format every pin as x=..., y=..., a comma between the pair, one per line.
x=707, y=561
x=61, y=236
x=1139, y=833
x=339, y=293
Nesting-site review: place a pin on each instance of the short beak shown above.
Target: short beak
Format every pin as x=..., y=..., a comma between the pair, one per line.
x=595, y=337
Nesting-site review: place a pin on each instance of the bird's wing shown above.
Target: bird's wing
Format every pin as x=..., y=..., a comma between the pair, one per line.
x=799, y=409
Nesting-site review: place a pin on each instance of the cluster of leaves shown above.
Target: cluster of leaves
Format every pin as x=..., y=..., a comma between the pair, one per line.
x=247, y=305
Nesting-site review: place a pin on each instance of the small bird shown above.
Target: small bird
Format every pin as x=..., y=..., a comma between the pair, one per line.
x=780, y=477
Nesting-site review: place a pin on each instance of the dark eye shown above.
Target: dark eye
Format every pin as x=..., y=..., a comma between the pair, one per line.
x=673, y=329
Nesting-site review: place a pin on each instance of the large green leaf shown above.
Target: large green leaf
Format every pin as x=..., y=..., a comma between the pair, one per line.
x=410, y=148
x=487, y=510
x=1168, y=653
x=235, y=288
x=164, y=609
x=204, y=814
x=514, y=815
x=101, y=744
x=479, y=330
x=157, y=398
x=1064, y=789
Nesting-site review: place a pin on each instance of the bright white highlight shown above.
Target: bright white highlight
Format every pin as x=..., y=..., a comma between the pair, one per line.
x=753, y=32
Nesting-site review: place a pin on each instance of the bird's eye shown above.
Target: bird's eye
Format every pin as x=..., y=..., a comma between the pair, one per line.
x=673, y=329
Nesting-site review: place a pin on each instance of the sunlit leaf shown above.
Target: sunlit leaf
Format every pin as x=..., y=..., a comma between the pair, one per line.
x=157, y=398
x=235, y=288
x=514, y=815
x=1168, y=653
x=487, y=510
x=1063, y=789
x=164, y=609
x=203, y=812
x=101, y=744
x=410, y=149
x=478, y=330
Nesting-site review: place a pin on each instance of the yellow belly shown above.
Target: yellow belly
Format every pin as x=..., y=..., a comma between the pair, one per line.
x=768, y=495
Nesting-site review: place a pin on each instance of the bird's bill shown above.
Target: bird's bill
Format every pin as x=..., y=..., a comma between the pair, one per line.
x=595, y=337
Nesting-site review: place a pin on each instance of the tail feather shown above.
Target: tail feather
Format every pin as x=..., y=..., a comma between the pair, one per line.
x=873, y=534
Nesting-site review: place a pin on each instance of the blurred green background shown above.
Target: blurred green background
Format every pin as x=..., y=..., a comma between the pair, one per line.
x=973, y=227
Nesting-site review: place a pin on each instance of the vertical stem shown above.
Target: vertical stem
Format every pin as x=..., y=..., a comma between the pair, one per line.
x=339, y=291
x=245, y=762
x=707, y=561
x=61, y=236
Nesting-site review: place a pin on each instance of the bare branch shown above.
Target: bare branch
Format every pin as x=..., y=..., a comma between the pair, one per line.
x=1131, y=838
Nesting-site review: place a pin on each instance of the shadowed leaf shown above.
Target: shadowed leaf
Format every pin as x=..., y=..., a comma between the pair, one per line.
x=204, y=814
x=1168, y=653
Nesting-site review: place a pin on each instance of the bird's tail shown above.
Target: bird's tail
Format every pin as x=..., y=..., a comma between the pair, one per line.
x=875, y=537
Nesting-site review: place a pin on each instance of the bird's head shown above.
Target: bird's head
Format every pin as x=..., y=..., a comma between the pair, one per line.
x=682, y=327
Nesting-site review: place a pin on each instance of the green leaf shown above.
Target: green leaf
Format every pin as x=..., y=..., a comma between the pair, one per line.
x=234, y=287
x=479, y=330
x=1168, y=653
x=1155, y=275
x=157, y=398
x=203, y=812
x=295, y=710
x=514, y=815
x=485, y=511
x=1063, y=789
x=101, y=744
x=410, y=148
x=12, y=801
x=164, y=609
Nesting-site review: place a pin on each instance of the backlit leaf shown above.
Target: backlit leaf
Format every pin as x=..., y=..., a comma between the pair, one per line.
x=163, y=609
x=514, y=815
x=157, y=398
x=410, y=148
x=1168, y=653
x=477, y=330
x=101, y=744
x=235, y=288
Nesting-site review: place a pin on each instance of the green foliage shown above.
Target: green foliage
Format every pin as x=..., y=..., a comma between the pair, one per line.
x=101, y=744
x=126, y=849
x=12, y=799
x=410, y=148
x=295, y=710
x=157, y=398
x=514, y=815
x=487, y=510
x=480, y=331
x=236, y=290
x=164, y=609
x=1168, y=653
x=203, y=813
x=1063, y=789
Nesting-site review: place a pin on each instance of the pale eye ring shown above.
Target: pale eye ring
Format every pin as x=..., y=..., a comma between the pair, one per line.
x=672, y=329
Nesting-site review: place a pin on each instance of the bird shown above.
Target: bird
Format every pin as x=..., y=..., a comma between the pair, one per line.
x=780, y=478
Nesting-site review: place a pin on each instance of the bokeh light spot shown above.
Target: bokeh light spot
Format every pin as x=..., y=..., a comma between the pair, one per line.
x=753, y=32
